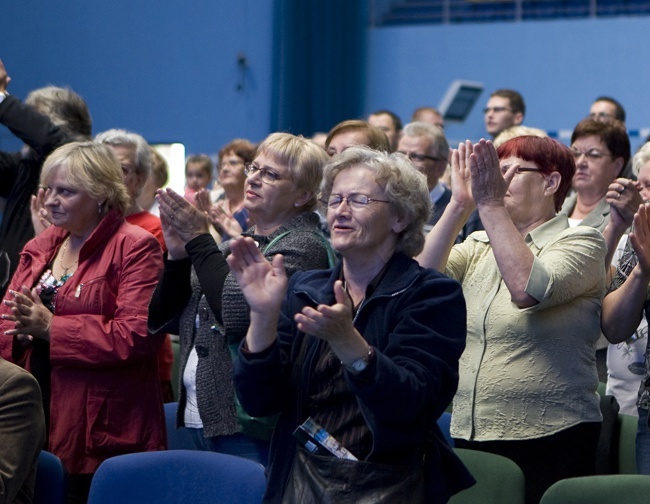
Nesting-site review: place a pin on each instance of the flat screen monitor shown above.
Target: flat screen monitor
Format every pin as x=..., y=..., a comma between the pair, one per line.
x=459, y=100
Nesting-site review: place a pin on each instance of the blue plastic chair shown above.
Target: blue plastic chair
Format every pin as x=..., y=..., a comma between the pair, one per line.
x=177, y=439
x=50, y=480
x=176, y=477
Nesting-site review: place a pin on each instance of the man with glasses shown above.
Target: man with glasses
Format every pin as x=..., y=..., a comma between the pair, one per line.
x=605, y=108
x=504, y=109
x=427, y=148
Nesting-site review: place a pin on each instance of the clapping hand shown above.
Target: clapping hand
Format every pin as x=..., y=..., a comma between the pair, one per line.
x=41, y=219
x=32, y=319
x=181, y=221
x=489, y=184
x=624, y=200
x=263, y=283
x=640, y=239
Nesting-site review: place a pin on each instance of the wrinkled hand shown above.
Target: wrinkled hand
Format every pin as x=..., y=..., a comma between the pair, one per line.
x=489, y=185
x=4, y=78
x=640, y=239
x=331, y=323
x=175, y=245
x=41, y=219
x=30, y=315
x=187, y=221
x=263, y=284
x=624, y=200
x=461, y=180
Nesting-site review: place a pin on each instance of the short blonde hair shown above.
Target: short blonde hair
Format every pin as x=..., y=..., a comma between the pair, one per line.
x=304, y=159
x=517, y=131
x=91, y=168
x=404, y=186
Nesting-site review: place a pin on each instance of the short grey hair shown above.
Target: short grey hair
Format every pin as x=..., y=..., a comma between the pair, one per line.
x=641, y=158
x=122, y=137
x=403, y=185
x=64, y=108
x=436, y=134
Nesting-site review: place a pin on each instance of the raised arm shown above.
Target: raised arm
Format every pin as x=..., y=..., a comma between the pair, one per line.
x=624, y=200
x=514, y=258
x=622, y=309
x=33, y=128
x=440, y=239
x=264, y=285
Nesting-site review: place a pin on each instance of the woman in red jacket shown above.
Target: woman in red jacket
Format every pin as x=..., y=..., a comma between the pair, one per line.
x=76, y=311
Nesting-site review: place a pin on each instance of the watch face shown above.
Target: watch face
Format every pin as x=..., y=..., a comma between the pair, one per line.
x=359, y=365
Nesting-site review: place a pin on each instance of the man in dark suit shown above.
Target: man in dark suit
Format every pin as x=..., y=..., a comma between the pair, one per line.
x=22, y=433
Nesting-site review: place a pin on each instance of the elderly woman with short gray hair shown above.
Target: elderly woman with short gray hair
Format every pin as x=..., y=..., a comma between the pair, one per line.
x=368, y=350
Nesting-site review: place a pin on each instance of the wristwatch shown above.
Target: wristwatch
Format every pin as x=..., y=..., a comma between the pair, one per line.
x=357, y=366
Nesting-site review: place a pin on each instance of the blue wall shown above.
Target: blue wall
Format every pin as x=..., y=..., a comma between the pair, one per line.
x=166, y=69
x=559, y=67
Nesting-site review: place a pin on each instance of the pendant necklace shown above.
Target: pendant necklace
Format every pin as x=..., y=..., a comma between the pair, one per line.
x=65, y=275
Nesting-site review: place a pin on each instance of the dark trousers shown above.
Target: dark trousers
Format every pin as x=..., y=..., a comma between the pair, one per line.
x=569, y=453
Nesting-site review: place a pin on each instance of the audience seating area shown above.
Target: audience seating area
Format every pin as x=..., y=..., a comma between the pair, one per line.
x=469, y=11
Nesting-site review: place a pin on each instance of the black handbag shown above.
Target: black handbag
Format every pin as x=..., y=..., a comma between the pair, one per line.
x=326, y=479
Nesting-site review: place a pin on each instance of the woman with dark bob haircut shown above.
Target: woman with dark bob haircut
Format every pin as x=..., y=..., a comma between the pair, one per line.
x=368, y=350
x=534, y=288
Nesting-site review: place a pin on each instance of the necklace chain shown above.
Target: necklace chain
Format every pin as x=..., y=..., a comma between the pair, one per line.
x=65, y=249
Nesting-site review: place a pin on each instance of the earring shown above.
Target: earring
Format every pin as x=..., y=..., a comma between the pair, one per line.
x=296, y=204
x=99, y=208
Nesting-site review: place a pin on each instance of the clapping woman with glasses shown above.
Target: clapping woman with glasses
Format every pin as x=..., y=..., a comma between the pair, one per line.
x=534, y=288
x=367, y=350
x=602, y=198
x=200, y=300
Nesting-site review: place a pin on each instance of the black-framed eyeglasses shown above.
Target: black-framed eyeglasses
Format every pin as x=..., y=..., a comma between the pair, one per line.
x=354, y=200
x=266, y=174
x=591, y=154
x=496, y=110
x=420, y=158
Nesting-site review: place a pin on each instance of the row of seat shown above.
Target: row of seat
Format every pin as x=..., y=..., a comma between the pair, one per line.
x=198, y=477
x=164, y=477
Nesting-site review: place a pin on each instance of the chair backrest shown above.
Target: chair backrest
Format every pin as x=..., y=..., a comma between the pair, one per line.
x=178, y=476
x=498, y=479
x=50, y=480
x=602, y=489
x=177, y=439
x=627, y=444
x=444, y=422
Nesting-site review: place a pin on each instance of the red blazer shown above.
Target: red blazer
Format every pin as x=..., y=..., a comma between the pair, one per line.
x=105, y=393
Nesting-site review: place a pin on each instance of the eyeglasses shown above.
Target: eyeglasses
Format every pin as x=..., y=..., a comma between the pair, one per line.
x=496, y=110
x=521, y=169
x=591, y=154
x=266, y=174
x=420, y=158
x=601, y=115
x=354, y=200
x=232, y=163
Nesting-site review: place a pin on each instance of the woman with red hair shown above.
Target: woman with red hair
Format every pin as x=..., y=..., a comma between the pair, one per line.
x=534, y=288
